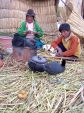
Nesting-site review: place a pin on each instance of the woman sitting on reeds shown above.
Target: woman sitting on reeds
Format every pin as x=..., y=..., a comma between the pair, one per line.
x=29, y=34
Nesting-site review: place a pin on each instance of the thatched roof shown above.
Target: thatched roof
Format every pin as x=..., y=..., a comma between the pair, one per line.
x=12, y=12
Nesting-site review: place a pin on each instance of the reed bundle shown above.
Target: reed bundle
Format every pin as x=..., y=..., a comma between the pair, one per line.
x=75, y=18
x=77, y=24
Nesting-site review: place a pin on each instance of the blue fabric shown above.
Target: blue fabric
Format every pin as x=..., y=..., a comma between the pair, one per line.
x=38, y=43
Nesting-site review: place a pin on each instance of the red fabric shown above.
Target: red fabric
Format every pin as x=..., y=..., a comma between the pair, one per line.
x=56, y=42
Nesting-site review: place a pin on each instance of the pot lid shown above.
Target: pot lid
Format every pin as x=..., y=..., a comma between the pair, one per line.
x=39, y=59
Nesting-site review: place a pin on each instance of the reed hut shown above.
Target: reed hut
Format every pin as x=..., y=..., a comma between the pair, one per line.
x=12, y=12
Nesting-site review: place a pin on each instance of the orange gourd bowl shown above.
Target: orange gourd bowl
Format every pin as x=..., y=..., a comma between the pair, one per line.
x=1, y=63
x=22, y=95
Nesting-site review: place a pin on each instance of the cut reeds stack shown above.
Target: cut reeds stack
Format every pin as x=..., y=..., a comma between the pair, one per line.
x=77, y=25
x=12, y=12
x=75, y=19
x=46, y=94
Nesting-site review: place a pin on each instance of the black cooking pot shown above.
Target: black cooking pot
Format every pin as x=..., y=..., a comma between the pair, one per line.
x=37, y=63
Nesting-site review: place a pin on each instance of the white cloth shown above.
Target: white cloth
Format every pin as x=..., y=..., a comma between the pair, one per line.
x=52, y=49
x=46, y=47
x=30, y=27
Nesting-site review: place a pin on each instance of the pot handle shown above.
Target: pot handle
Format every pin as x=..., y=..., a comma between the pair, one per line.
x=39, y=57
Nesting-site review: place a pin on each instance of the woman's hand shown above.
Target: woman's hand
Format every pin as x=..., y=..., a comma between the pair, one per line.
x=27, y=32
x=36, y=33
x=31, y=32
x=59, y=54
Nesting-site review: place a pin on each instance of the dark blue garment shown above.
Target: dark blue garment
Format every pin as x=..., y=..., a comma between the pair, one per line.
x=30, y=43
x=61, y=46
x=19, y=41
x=1, y=56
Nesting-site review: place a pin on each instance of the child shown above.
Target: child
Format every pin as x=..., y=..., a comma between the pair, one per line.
x=67, y=44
